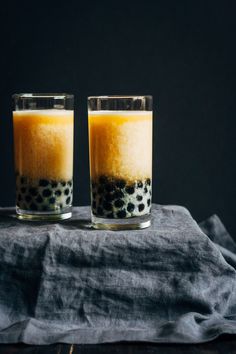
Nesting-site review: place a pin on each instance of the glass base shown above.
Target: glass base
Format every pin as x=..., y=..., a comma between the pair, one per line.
x=29, y=215
x=134, y=223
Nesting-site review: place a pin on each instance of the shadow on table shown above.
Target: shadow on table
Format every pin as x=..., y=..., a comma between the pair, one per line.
x=225, y=344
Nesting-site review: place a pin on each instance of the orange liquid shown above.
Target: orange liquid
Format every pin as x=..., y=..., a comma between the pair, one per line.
x=43, y=143
x=120, y=144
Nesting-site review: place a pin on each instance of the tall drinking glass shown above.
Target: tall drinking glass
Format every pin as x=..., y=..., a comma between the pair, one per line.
x=120, y=143
x=43, y=145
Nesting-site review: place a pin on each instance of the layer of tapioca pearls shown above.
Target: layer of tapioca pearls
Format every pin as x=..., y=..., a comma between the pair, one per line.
x=43, y=194
x=117, y=198
x=43, y=144
x=120, y=144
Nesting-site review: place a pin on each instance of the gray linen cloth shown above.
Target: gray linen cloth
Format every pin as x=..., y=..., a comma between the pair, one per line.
x=65, y=282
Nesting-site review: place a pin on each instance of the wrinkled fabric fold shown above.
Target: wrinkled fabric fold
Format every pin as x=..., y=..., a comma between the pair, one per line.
x=66, y=282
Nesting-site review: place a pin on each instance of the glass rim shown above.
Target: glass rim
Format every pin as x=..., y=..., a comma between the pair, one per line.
x=56, y=95
x=121, y=97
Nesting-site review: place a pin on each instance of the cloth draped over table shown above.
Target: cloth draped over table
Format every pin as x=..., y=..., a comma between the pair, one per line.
x=65, y=282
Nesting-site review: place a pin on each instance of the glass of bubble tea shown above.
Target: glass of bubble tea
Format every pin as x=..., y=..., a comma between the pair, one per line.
x=120, y=149
x=43, y=127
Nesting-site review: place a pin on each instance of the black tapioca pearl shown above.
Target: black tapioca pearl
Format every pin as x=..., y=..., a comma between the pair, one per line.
x=39, y=199
x=140, y=184
x=141, y=207
x=58, y=193
x=148, y=181
x=68, y=200
x=94, y=204
x=110, y=187
x=100, y=211
x=130, y=189
x=100, y=201
x=107, y=206
x=109, y=197
x=44, y=208
x=119, y=203
x=139, y=198
x=110, y=216
x=148, y=202
x=54, y=184
x=43, y=182
x=103, y=179
x=33, y=191
x=121, y=214
x=52, y=200
x=63, y=183
x=150, y=192
x=118, y=194
x=67, y=191
x=93, y=184
x=19, y=198
x=100, y=189
x=120, y=183
x=94, y=194
x=130, y=207
x=145, y=190
x=69, y=183
x=23, y=180
x=47, y=193
x=28, y=198
x=23, y=190
x=33, y=206
x=61, y=206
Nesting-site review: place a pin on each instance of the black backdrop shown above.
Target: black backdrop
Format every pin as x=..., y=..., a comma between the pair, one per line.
x=181, y=52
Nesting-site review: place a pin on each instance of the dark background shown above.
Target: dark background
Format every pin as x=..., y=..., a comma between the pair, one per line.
x=181, y=52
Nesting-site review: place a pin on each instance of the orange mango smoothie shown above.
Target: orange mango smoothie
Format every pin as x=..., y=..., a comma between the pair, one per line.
x=121, y=144
x=43, y=143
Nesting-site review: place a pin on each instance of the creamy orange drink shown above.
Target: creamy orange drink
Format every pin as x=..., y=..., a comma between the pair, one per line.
x=43, y=148
x=120, y=144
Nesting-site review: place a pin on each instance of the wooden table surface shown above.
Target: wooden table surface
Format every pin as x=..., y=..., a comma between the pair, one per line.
x=222, y=345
